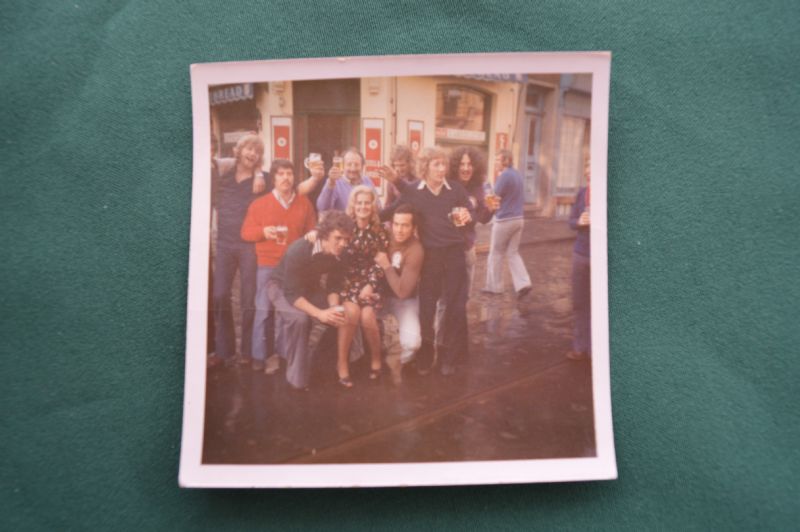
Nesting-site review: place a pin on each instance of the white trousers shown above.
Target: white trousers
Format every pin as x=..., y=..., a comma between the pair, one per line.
x=505, y=245
x=406, y=312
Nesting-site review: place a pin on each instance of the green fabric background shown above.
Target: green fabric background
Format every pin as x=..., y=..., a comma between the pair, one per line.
x=95, y=158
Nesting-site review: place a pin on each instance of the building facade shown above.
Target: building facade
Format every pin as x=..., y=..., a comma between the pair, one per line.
x=543, y=119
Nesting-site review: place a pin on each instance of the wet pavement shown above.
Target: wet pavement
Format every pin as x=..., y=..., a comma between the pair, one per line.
x=515, y=395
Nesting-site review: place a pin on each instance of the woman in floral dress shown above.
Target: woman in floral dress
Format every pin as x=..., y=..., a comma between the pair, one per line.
x=361, y=295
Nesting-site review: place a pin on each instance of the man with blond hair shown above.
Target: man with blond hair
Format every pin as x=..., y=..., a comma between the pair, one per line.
x=233, y=197
x=445, y=213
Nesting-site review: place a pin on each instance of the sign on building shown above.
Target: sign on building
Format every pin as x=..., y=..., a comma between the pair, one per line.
x=281, y=137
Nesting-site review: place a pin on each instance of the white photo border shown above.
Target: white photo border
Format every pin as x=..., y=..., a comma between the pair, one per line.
x=193, y=473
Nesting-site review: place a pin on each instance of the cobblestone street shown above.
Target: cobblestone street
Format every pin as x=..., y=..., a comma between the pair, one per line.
x=514, y=397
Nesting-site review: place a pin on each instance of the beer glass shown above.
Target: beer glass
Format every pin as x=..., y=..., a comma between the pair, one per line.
x=281, y=234
x=312, y=160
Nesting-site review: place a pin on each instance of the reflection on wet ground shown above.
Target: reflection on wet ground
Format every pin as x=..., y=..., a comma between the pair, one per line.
x=515, y=396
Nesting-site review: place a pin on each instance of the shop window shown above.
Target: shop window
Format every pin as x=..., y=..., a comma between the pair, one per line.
x=573, y=148
x=461, y=114
x=533, y=98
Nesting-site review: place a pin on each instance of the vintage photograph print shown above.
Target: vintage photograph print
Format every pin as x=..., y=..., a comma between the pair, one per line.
x=398, y=272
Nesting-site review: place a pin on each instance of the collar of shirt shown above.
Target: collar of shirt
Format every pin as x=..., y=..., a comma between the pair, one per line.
x=284, y=204
x=423, y=184
x=360, y=181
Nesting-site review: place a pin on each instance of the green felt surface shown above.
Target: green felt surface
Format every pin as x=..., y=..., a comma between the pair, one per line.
x=95, y=158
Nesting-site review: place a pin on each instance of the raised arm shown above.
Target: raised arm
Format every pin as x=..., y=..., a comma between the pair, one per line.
x=307, y=186
x=326, y=198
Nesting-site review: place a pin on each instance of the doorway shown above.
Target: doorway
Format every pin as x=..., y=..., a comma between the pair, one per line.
x=327, y=118
x=532, y=140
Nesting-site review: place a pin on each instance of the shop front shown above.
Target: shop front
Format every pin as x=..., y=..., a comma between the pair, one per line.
x=543, y=119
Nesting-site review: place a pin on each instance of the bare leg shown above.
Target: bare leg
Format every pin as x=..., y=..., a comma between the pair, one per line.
x=369, y=328
x=345, y=338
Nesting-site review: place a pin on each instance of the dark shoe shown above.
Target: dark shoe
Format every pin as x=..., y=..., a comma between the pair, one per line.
x=524, y=292
x=577, y=355
x=257, y=365
x=447, y=370
x=243, y=360
x=345, y=382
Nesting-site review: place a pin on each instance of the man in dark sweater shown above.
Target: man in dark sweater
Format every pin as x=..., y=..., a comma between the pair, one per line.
x=304, y=286
x=234, y=192
x=444, y=214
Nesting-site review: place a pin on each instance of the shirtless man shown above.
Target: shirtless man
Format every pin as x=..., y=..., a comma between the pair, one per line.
x=402, y=266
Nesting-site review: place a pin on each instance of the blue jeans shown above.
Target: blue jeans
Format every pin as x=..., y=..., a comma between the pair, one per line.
x=294, y=328
x=582, y=303
x=264, y=321
x=231, y=258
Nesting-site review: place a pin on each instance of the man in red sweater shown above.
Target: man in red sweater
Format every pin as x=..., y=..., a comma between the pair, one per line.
x=273, y=221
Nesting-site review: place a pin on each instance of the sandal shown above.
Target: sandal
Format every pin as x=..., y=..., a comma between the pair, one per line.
x=345, y=382
x=375, y=374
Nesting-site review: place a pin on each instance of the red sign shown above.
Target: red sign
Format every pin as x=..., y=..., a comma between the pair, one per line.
x=501, y=141
x=415, y=140
x=371, y=169
x=280, y=142
x=372, y=144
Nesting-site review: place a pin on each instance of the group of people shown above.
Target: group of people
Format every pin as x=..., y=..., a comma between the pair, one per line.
x=323, y=249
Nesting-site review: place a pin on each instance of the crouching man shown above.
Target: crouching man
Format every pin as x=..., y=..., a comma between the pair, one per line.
x=402, y=266
x=304, y=286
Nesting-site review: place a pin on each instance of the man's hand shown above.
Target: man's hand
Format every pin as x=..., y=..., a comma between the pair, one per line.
x=466, y=217
x=332, y=316
x=492, y=201
x=311, y=236
x=333, y=174
x=388, y=173
x=584, y=218
x=382, y=260
x=270, y=233
x=259, y=183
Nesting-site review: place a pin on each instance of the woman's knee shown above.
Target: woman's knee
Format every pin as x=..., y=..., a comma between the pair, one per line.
x=369, y=319
x=352, y=313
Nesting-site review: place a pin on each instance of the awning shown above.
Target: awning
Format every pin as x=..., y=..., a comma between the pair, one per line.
x=232, y=93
